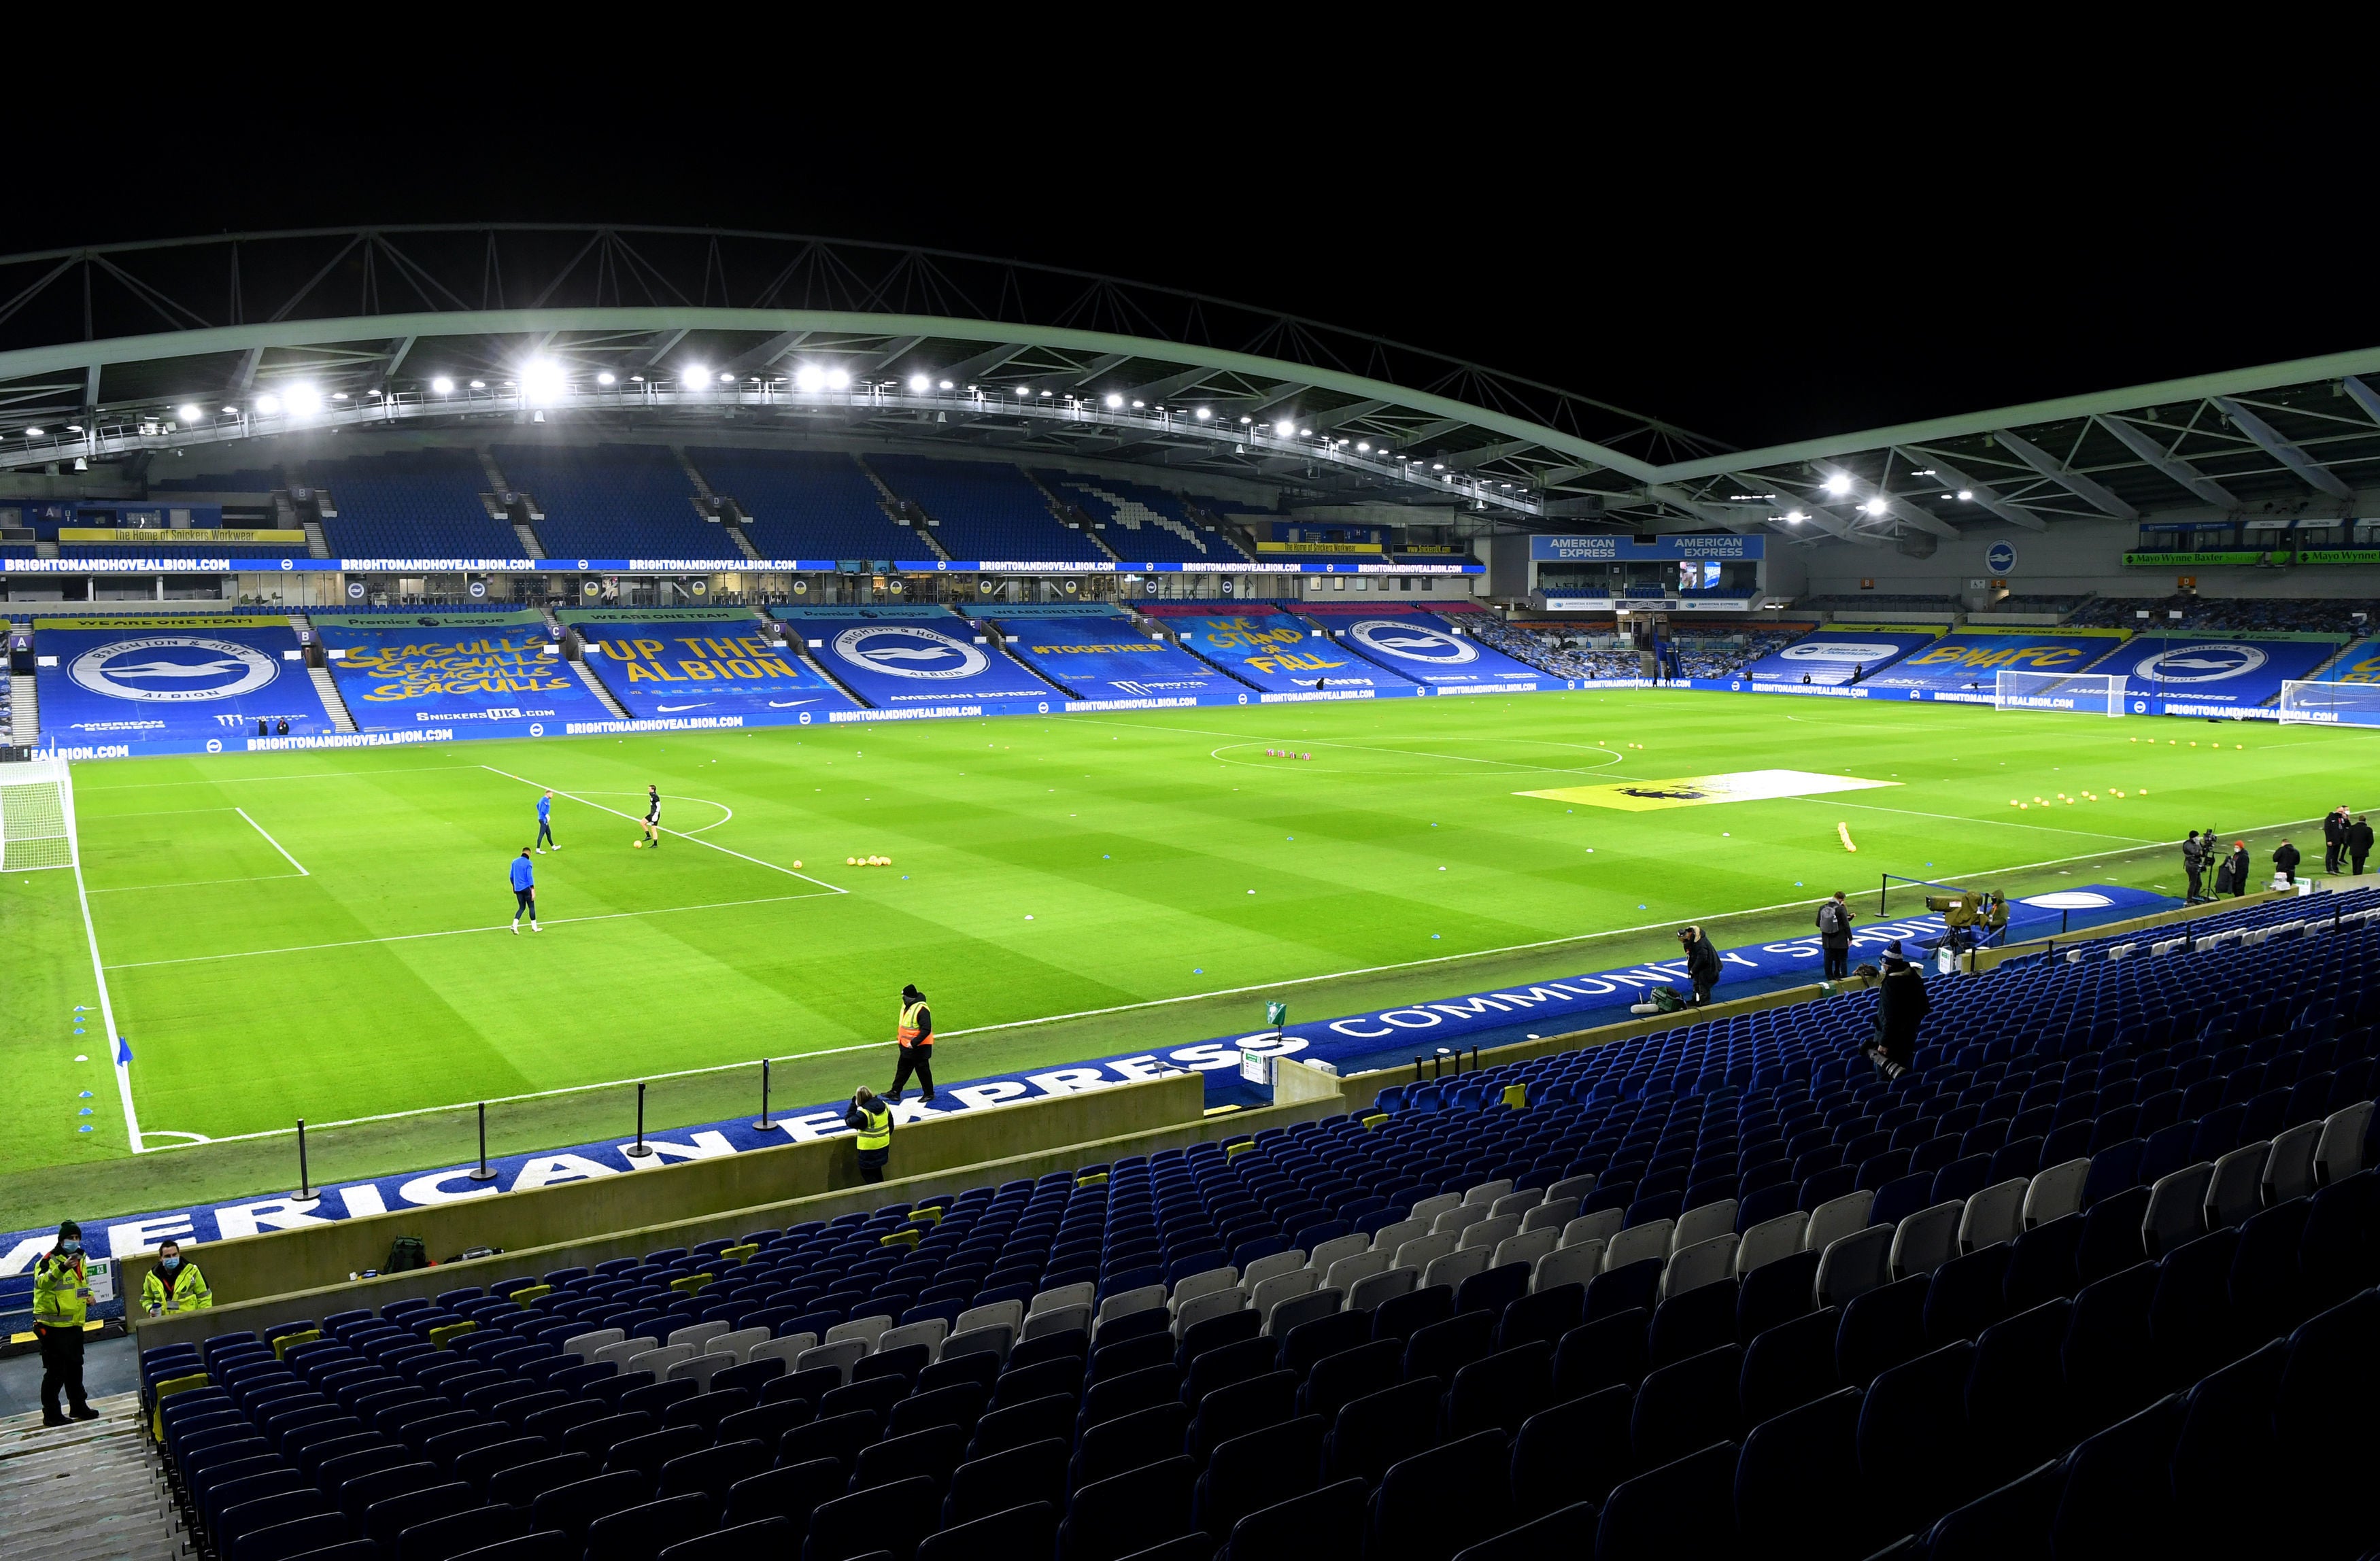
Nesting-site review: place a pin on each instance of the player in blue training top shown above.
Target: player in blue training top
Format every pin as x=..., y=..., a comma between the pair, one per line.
x=524, y=892
x=545, y=823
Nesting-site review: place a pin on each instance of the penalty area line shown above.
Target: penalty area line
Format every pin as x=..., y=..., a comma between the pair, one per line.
x=274, y=845
x=582, y=801
x=460, y=932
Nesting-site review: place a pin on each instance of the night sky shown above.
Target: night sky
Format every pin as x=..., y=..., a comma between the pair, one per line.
x=1748, y=281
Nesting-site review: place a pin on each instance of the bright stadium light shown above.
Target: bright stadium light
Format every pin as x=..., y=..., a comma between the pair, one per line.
x=479, y=384
x=1305, y=433
x=1794, y=517
x=32, y=433
x=442, y=385
x=607, y=377
x=1284, y=427
x=946, y=384
x=838, y=378
x=920, y=384
x=1138, y=405
x=810, y=377
x=268, y=404
x=303, y=399
x=541, y=380
x=1245, y=421
x=189, y=414
x=1877, y=506
x=696, y=376
x=1204, y=413
x=1363, y=448
x=1967, y=494
x=1838, y=485
x=1114, y=400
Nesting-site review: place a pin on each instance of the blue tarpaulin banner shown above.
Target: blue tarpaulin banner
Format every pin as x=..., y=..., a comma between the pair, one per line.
x=1973, y=663
x=1108, y=657
x=1833, y=656
x=892, y=662
x=1277, y=653
x=2206, y=675
x=680, y=666
x=395, y=674
x=192, y=678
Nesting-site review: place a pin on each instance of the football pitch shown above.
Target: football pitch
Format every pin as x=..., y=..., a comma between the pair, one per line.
x=326, y=935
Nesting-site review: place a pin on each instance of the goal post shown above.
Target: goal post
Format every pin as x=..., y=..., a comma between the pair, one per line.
x=36, y=817
x=2330, y=704
x=2098, y=693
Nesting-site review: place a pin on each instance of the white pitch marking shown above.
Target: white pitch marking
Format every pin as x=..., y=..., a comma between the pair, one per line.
x=199, y=883
x=274, y=845
x=633, y=819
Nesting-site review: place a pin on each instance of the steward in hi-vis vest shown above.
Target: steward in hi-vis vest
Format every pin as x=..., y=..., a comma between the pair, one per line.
x=915, y=1034
x=872, y=1120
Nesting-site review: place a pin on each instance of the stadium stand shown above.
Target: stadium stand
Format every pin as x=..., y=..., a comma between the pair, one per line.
x=805, y=504
x=613, y=500
x=246, y=479
x=1556, y=649
x=2096, y=1272
x=1850, y=606
x=1725, y=661
x=2302, y=615
x=1145, y=524
x=411, y=503
x=983, y=509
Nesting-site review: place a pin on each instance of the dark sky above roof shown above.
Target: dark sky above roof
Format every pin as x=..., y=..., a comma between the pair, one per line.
x=1750, y=278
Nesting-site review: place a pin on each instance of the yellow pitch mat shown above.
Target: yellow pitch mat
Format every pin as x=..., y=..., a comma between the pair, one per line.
x=1693, y=791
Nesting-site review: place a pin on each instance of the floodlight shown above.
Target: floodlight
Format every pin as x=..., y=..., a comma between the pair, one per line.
x=1024, y=389
x=1795, y=517
x=231, y=411
x=268, y=404
x=1966, y=493
x=946, y=384
x=838, y=378
x=810, y=377
x=1138, y=404
x=479, y=384
x=696, y=376
x=1204, y=413
x=303, y=398
x=1305, y=433
x=541, y=380
x=1363, y=449
x=1284, y=427
x=1437, y=465
x=1877, y=506
x=1838, y=485
x=32, y=433
x=1047, y=393
x=189, y=414
x=920, y=384
x=338, y=395
x=1115, y=400
x=606, y=378
x=1244, y=421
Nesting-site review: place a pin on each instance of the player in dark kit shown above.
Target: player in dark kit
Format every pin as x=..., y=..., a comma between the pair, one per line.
x=652, y=820
x=524, y=878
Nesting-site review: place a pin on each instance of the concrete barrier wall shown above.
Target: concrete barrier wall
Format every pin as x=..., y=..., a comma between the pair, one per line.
x=674, y=1196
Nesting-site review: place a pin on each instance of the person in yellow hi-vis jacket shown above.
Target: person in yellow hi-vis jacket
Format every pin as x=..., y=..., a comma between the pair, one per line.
x=916, y=1034
x=61, y=1297
x=173, y=1284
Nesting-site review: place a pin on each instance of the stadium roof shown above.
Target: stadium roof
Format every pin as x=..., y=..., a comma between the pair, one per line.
x=111, y=350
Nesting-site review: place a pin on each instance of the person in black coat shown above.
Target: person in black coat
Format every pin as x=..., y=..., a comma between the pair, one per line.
x=1702, y=961
x=2285, y=861
x=2359, y=842
x=2334, y=837
x=1900, y=1008
x=2235, y=869
x=1835, y=935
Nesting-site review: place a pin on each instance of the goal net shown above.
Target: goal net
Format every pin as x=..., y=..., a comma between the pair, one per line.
x=2100, y=694
x=36, y=817
x=2330, y=704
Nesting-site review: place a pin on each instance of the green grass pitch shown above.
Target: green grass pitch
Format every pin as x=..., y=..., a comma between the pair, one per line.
x=324, y=934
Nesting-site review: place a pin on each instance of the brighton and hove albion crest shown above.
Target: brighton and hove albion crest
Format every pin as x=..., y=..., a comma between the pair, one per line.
x=172, y=669
x=2200, y=663
x=1409, y=641
x=908, y=651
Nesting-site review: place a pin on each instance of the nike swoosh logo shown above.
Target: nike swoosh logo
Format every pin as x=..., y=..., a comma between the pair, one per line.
x=668, y=709
x=789, y=704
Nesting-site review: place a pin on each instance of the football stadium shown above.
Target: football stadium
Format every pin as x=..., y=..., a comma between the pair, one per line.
x=729, y=899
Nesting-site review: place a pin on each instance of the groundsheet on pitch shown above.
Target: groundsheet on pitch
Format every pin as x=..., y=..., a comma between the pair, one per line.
x=1348, y=1042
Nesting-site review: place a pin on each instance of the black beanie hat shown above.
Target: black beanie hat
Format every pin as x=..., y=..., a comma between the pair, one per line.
x=68, y=1227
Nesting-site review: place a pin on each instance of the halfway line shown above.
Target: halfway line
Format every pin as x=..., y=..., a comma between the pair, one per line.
x=274, y=845
x=832, y=888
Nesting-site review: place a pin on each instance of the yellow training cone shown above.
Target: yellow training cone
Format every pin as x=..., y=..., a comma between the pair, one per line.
x=1845, y=831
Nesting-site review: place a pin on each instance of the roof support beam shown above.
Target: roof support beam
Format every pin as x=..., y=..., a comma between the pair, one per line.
x=1960, y=482
x=2315, y=474
x=2363, y=395
x=91, y=388
x=2066, y=476
x=967, y=368
x=1817, y=514
x=660, y=349
x=1322, y=421
x=1159, y=392
x=1470, y=460
x=394, y=358
x=2140, y=443
x=898, y=347
x=1894, y=504
x=1677, y=498
x=1107, y=362
x=765, y=354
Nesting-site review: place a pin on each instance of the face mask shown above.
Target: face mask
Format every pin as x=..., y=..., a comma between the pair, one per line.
x=169, y=1264
x=70, y=1245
